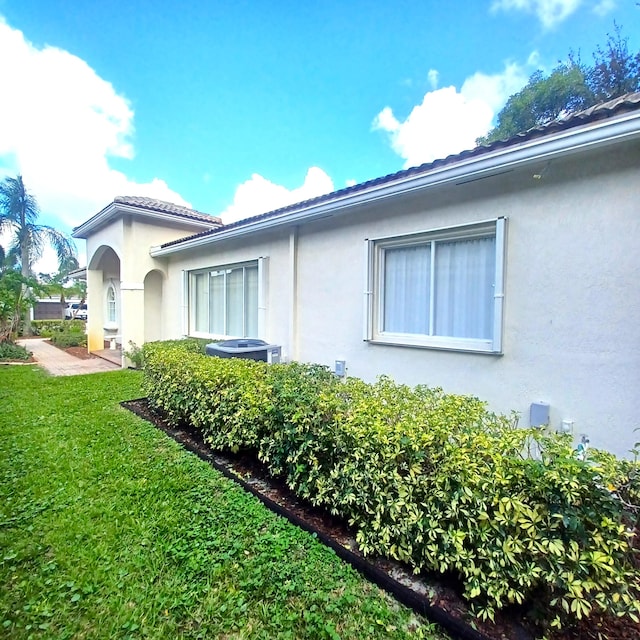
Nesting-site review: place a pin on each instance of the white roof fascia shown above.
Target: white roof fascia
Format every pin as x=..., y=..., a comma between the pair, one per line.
x=600, y=133
x=103, y=217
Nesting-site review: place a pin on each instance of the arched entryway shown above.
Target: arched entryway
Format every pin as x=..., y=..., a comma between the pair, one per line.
x=104, y=331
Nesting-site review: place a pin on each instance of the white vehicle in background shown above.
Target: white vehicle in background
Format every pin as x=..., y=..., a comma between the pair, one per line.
x=75, y=311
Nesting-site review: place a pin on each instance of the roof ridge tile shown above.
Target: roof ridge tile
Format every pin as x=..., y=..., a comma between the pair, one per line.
x=164, y=206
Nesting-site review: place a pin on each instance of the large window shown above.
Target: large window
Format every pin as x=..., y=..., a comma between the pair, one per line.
x=224, y=301
x=438, y=289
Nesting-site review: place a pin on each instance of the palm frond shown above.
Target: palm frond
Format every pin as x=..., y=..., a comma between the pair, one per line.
x=17, y=205
x=19, y=212
x=64, y=246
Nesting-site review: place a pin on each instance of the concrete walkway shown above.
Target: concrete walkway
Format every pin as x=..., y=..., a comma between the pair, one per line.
x=59, y=363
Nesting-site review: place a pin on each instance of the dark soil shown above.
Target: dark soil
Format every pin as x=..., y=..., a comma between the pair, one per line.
x=76, y=352
x=438, y=591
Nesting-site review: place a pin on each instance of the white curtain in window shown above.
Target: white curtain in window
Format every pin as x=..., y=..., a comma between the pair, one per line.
x=235, y=303
x=251, y=302
x=200, y=301
x=216, y=302
x=464, y=287
x=407, y=289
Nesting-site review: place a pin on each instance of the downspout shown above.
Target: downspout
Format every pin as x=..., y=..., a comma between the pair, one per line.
x=293, y=294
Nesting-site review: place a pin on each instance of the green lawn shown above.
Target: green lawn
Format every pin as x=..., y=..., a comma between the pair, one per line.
x=108, y=529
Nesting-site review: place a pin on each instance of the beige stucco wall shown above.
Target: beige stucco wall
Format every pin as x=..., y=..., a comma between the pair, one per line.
x=130, y=239
x=572, y=307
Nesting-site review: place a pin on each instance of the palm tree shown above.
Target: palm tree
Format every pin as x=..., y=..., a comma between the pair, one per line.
x=19, y=213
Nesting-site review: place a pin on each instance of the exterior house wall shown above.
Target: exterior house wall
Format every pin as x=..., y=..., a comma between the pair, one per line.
x=130, y=240
x=571, y=316
x=572, y=310
x=571, y=328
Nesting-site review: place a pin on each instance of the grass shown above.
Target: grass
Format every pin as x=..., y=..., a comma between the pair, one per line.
x=108, y=529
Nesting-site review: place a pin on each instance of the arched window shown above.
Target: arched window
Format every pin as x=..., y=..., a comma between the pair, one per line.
x=111, y=305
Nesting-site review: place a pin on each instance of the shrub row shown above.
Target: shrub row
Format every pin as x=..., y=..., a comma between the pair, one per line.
x=69, y=339
x=63, y=333
x=46, y=328
x=428, y=478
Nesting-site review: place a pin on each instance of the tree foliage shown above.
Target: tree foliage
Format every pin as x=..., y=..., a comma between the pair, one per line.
x=615, y=71
x=17, y=296
x=19, y=213
x=569, y=88
x=62, y=284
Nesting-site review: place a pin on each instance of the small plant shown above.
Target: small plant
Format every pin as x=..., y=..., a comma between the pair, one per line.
x=12, y=351
x=135, y=355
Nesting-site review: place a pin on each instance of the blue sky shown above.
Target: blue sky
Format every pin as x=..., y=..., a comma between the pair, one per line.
x=236, y=108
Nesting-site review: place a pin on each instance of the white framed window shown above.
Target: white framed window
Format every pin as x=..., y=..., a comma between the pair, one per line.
x=223, y=300
x=440, y=289
x=112, y=312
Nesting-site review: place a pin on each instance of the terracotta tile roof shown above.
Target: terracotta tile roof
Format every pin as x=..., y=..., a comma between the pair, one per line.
x=628, y=102
x=166, y=207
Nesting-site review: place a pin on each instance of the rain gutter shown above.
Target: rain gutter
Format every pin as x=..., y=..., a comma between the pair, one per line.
x=600, y=134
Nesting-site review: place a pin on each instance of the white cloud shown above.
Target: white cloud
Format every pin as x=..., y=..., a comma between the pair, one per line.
x=433, y=77
x=549, y=12
x=604, y=7
x=259, y=195
x=449, y=121
x=60, y=124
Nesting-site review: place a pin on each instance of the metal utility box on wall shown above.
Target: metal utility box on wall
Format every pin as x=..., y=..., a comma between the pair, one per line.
x=246, y=348
x=539, y=414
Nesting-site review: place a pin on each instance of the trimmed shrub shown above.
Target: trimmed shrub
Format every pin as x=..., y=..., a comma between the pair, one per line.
x=69, y=339
x=63, y=333
x=47, y=328
x=429, y=478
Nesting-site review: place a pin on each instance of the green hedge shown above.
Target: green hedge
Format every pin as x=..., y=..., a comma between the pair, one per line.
x=69, y=339
x=63, y=333
x=46, y=328
x=428, y=478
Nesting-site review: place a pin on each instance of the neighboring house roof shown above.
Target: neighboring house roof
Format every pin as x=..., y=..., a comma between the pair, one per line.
x=600, y=124
x=78, y=274
x=150, y=208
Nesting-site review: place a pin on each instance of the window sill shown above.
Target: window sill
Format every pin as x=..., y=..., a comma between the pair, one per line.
x=217, y=336
x=484, y=347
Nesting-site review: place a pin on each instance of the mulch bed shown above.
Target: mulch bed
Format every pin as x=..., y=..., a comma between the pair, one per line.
x=77, y=352
x=436, y=596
